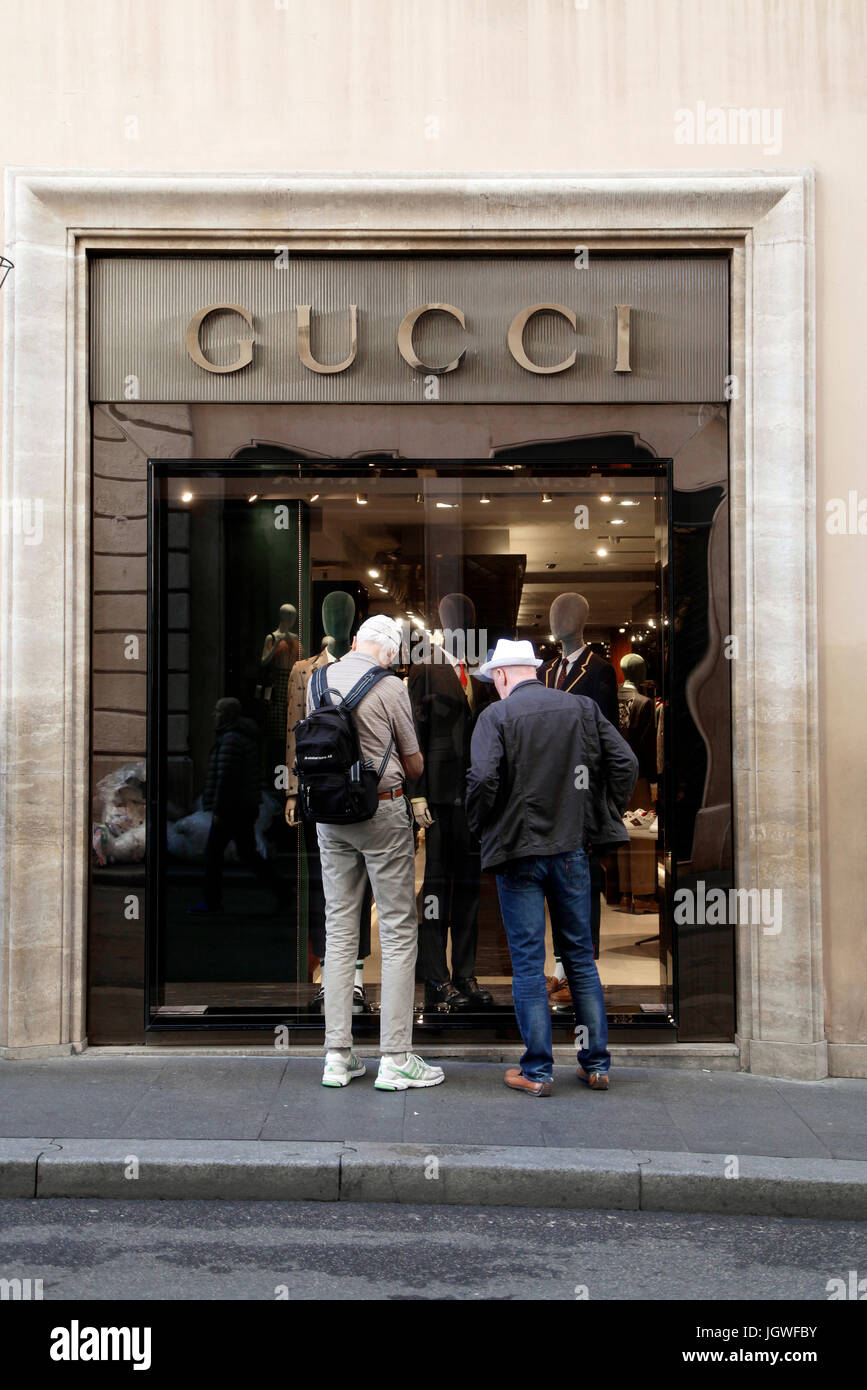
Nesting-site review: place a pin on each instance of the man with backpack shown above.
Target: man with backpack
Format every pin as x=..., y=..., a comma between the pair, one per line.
x=355, y=752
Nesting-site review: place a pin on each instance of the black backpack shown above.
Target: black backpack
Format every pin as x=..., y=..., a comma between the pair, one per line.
x=337, y=786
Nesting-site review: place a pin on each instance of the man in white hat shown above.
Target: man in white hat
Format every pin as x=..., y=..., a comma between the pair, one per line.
x=382, y=848
x=549, y=776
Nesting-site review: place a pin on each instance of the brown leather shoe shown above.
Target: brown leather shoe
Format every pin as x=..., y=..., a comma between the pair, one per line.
x=552, y=984
x=596, y=1080
x=563, y=996
x=519, y=1082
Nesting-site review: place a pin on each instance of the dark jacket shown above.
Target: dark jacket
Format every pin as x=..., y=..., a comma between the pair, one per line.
x=591, y=675
x=232, y=783
x=640, y=734
x=444, y=724
x=528, y=751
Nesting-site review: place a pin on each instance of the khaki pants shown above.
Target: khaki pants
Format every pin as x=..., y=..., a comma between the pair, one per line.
x=383, y=849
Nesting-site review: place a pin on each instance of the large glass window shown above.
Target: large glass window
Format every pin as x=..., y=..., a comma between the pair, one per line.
x=261, y=573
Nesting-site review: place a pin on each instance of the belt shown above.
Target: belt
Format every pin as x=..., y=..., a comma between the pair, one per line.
x=393, y=795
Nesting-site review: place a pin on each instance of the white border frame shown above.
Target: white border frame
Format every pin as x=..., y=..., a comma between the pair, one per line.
x=767, y=223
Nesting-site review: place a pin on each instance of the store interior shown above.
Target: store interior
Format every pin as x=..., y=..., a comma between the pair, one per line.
x=264, y=571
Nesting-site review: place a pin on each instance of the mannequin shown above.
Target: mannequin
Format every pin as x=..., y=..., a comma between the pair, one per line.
x=578, y=671
x=637, y=860
x=338, y=615
x=444, y=695
x=279, y=654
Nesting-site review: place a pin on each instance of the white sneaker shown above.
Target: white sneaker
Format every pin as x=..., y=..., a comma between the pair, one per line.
x=339, y=1072
x=413, y=1072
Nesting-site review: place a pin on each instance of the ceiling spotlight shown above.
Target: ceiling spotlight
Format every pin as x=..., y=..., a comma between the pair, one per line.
x=546, y=497
x=254, y=497
x=551, y=566
x=627, y=503
x=484, y=498
x=621, y=629
x=617, y=521
x=186, y=497
x=653, y=622
x=602, y=550
x=605, y=497
x=361, y=499
x=315, y=497
x=374, y=574
x=446, y=506
x=418, y=497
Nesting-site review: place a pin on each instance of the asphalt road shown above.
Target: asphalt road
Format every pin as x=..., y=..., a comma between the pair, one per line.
x=195, y=1250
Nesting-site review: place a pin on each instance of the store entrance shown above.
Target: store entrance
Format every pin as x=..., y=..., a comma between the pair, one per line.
x=262, y=572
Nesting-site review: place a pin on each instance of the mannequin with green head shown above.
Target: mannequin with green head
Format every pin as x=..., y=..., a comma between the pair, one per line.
x=338, y=615
x=634, y=669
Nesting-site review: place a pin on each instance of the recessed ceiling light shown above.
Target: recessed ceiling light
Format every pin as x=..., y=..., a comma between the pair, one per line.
x=361, y=499
x=601, y=550
x=315, y=497
x=253, y=498
x=617, y=521
x=627, y=503
x=374, y=574
x=484, y=498
x=546, y=497
x=605, y=497
x=447, y=506
x=186, y=497
x=621, y=629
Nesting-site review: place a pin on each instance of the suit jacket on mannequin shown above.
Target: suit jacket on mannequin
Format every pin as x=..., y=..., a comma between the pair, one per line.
x=299, y=679
x=444, y=719
x=639, y=730
x=590, y=675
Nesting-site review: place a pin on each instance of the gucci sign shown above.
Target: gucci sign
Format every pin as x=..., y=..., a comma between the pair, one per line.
x=406, y=348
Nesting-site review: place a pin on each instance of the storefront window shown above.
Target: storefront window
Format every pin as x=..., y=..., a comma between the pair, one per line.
x=263, y=573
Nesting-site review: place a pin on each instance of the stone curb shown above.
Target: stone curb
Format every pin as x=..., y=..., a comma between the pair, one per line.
x=451, y=1174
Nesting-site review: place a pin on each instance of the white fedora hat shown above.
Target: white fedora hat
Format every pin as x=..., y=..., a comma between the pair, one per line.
x=508, y=653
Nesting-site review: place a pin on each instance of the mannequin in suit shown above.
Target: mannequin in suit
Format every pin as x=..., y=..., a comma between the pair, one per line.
x=444, y=695
x=338, y=615
x=578, y=671
x=637, y=861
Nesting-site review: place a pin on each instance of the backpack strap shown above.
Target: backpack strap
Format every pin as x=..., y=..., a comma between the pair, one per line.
x=363, y=686
x=354, y=697
x=322, y=694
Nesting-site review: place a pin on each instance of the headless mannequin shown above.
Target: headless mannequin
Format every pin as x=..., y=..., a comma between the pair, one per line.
x=443, y=700
x=338, y=616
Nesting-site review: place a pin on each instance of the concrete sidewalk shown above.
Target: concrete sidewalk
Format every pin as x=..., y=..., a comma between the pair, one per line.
x=263, y=1126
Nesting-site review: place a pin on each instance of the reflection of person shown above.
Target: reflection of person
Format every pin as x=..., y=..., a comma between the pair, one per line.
x=536, y=818
x=443, y=693
x=231, y=793
x=338, y=615
x=383, y=848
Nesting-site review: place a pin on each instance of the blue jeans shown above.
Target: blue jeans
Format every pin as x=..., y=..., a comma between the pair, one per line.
x=564, y=879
